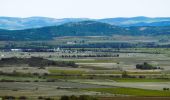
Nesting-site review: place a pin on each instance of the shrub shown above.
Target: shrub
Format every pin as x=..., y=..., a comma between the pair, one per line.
x=40, y=97
x=65, y=98
x=125, y=74
x=166, y=89
x=146, y=66
x=22, y=98
x=73, y=97
x=49, y=99
x=8, y=98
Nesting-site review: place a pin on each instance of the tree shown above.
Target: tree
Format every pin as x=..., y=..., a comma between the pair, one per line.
x=65, y=98
x=124, y=74
x=73, y=97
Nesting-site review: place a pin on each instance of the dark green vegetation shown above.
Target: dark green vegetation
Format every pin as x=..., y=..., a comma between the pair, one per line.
x=14, y=98
x=81, y=97
x=85, y=28
x=146, y=66
x=35, y=62
x=72, y=97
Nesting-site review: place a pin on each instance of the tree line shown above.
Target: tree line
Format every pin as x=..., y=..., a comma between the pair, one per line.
x=36, y=62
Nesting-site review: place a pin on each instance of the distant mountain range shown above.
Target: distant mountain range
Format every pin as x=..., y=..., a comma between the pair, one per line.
x=137, y=21
x=12, y=23
x=80, y=28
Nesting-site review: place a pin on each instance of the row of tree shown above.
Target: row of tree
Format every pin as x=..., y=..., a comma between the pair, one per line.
x=36, y=62
x=87, y=55
x=81, y=97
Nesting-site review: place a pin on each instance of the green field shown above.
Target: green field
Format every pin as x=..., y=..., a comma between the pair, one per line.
x=55, y=71
x=95, y=61
x=132, y=91
x=102, y=74
x=140, y=80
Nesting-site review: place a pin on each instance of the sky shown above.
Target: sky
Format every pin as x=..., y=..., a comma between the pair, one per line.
x=85, y=8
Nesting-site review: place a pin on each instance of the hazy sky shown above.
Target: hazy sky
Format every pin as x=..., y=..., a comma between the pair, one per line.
x=85, y=8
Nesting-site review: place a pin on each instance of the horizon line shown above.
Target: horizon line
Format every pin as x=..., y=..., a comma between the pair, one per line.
x=82, y=17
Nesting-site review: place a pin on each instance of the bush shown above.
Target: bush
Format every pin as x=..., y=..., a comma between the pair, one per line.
x=65, y=98
x=125, y=74
x=40, y=97
x=22, y=98
x=146, y=66
x=73, y=97
x=48, y=99
x=36, y=80
x=8, y=98
x=166, y=89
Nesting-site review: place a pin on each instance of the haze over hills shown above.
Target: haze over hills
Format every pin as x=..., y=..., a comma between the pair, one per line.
x=161, y=23
x=13, y=23
x=121, y=21
x=83, y=28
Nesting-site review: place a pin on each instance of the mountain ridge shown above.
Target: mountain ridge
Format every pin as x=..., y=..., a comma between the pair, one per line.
x=16, y=23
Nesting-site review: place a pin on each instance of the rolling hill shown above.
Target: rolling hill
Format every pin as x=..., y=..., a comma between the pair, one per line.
x=84, y=28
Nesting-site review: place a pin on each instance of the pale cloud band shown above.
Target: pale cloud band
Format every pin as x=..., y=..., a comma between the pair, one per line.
x=85, y=8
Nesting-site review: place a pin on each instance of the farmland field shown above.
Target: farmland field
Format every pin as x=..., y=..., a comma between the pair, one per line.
x=132, y=91
x=106, y=78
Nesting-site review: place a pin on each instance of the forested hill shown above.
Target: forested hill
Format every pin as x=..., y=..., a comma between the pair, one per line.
x=84, y=28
